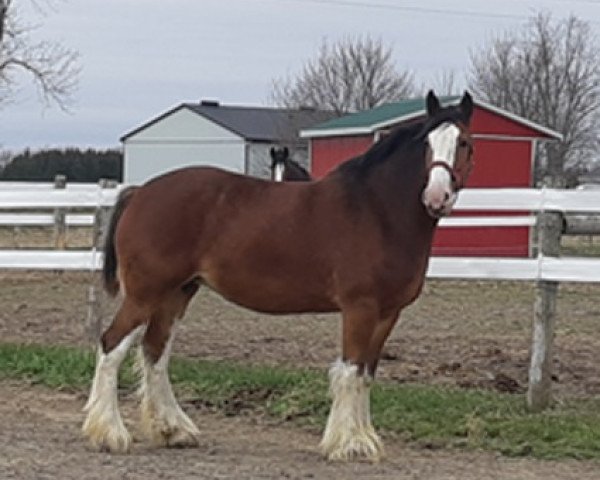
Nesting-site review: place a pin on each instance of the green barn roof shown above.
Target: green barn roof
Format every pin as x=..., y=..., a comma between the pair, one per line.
x=379, y=116
x=369, y=121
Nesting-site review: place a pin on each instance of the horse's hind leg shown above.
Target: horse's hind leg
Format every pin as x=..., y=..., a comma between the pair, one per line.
x=103, y=424
x=163, y=420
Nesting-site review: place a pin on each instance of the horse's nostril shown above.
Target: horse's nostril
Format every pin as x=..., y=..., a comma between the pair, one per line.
x=446, y=197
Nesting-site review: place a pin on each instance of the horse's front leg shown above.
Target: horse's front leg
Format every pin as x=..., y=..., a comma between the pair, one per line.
x=349, y=432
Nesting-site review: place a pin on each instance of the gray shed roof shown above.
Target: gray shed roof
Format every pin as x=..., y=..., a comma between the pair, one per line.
x=252, y=123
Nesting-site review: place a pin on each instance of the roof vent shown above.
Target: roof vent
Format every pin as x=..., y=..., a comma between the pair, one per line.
x=209, y=103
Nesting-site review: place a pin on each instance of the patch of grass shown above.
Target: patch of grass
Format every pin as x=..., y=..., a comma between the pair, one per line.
x=432, y=417
x=283, y=393
x=50, y=366
x=54, y=367
x=438, y=417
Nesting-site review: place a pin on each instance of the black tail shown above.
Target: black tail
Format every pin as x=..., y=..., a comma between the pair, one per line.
x=109, y=270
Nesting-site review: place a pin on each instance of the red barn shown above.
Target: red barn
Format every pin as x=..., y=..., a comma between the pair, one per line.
x=504, y=152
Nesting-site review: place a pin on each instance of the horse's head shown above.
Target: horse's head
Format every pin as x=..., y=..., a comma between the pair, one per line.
x=449, y=153
x=279, y=157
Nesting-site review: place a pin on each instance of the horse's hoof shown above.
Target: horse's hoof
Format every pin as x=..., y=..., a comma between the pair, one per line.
x=176, y=431
x=106, y=439
x=367, y=447
x=181, y=438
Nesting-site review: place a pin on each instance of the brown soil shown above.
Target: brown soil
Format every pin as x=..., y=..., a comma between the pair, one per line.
x=459, y=333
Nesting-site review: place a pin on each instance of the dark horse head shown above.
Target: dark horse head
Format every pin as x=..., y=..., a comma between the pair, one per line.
x=449, y=154
x=430, y=158
x=284, y=169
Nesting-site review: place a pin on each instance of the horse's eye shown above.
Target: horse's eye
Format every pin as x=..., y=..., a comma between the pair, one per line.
x=463, y=144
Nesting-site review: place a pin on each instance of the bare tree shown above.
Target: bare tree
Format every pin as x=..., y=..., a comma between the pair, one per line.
x=548, y=72
x=52, y=67
x=347, y=76
x=445, y=83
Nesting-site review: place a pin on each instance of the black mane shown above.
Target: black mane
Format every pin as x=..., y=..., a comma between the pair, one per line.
x=296, y=169
x=405, y=136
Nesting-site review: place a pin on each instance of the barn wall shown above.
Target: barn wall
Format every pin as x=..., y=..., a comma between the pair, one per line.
x=499, y=164
x=490, y=123
x=179, y=140
x=327, y=153
x=182, y=124
x=482, y=242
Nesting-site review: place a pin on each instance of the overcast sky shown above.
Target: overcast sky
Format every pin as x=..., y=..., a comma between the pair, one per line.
x=140, y=58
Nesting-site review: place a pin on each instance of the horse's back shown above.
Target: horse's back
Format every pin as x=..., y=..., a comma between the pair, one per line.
x=199, y=194
x=174, y=208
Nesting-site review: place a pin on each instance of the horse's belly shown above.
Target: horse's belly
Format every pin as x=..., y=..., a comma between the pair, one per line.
x=271, y=294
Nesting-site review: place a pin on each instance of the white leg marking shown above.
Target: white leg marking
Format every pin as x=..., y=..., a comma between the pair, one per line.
x=163, y=420
x=103, y=424
x=349, y=432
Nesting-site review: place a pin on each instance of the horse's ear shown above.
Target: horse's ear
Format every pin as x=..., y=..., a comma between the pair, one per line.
x=272, y=152
x=433, y=104
x=286, y=152
x=466, y=106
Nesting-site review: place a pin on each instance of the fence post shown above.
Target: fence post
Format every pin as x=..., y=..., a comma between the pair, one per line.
x=60, y=224
x=540, y=369
x=95, y=297
x=102, y=216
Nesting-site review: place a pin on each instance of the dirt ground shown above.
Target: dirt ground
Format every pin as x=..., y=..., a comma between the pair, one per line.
x=40, y=440
x=469, y=334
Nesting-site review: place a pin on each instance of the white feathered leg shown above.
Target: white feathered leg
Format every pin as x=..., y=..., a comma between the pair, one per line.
x=103, y=424
x=349, y=433
x=163, y=420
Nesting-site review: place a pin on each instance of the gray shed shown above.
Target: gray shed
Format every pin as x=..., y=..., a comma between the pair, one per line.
x=234, y=138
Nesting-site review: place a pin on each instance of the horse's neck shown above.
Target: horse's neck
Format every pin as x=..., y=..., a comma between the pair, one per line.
x=398, y=187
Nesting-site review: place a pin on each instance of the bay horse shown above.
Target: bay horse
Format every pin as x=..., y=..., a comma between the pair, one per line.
x=284, y=169
x=357, y=241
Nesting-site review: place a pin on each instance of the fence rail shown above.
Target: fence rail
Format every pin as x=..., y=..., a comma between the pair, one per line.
x=529, y=199
x=47, y=199
x=43, y=220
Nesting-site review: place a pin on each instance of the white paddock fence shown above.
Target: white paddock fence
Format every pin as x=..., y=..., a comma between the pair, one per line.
x=23, y=199
x=43, y=204
x=543, y=267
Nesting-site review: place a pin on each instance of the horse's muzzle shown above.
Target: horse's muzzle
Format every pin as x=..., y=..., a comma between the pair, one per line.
x=440, y=204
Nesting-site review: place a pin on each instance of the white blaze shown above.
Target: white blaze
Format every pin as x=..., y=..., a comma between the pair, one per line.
x=279, y=167
x=438, y=195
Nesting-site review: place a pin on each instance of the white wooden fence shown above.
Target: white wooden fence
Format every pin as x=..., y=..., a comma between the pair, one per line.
x=551, y=268
x=25, y=202
x=35, y=205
